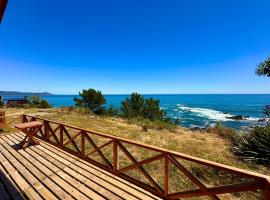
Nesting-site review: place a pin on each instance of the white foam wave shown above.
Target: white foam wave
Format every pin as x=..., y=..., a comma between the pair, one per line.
x=211, y=114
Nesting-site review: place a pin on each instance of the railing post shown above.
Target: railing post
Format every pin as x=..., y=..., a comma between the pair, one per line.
x=61, y=136
x=23, y=118
x=46, y=129
x=166, y=175
x=115, y=156
x=267, y=190
x=83, y=144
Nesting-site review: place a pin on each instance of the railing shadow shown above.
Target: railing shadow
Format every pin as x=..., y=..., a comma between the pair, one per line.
x=8, y=190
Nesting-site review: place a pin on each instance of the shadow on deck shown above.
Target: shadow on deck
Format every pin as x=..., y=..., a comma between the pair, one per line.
x=46, y=172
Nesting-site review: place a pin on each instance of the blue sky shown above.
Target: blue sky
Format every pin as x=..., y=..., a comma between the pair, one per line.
x=150, y=46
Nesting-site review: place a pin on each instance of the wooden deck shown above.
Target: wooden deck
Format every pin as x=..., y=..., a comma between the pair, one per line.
x=46, y=172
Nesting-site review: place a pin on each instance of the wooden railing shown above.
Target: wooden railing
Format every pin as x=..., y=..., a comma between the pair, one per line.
x=78, y=141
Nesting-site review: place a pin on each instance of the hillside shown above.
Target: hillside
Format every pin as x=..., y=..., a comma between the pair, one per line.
x=14, y=93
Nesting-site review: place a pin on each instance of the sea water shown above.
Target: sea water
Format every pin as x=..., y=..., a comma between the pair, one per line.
x=199, y=110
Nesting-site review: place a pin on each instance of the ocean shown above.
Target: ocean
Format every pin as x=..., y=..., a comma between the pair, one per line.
x=195, y=110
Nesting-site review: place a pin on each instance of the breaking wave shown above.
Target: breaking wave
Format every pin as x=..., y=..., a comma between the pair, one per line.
x=210, y=113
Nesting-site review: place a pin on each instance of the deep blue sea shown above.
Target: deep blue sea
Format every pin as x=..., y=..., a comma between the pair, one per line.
x=195, y=110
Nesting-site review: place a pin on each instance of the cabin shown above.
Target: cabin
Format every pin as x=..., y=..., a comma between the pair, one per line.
x=15, y=102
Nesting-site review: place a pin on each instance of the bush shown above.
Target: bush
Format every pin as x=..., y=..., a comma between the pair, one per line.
x=44, y=104
x=266, y=111
x=92, y=100
x=255, y=145
x=37, y=101
x=1, y=103
x=137, y=106
x=34, y=100
x=224, y=132
x=112, y=111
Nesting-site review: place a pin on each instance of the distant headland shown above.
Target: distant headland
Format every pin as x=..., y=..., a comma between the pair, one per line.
x=15, y=93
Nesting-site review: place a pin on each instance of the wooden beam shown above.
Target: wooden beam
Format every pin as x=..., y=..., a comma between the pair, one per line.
x=100, y=147
x=115, y=156
x=166, y=175
x=142, y=170
x=267, y=190
x=140, y=163
x=240, y=187
x=99, y=151
x=193, y=179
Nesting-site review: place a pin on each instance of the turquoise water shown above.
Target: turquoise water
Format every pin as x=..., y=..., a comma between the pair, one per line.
x=195, y=110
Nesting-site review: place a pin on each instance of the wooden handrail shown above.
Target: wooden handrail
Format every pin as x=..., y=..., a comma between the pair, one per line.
x=79, y=139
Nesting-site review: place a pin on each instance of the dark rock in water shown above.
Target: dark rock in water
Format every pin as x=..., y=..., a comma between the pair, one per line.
x=237, y=117
x=225, y=113
x=197, y=128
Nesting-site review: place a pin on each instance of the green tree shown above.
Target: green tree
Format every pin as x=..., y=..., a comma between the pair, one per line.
x=152, y=110
x=92, y=100
x=264, y=68
x=133, y=106
x=137, y=106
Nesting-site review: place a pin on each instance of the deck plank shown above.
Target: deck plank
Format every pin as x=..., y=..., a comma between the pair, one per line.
x=11, y=188
x=99, y=183
x=46, y=176
x=47, y=172
x=23, y=169
x=20, y=181
x=54, y=170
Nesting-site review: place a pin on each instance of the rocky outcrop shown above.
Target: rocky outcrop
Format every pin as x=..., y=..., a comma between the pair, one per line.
x=237, y=117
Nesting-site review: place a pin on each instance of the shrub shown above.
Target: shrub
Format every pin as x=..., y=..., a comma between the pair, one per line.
x=44, y=104
x=92, y=100
x=144, y=128
x=111, y=111
x=224, y=132
x=255, y=145
x=34, y=100
x=1, y=103
x=37, y=101
x=266, y=111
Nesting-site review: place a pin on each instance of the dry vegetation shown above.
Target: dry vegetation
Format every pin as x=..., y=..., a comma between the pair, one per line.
x=212, y=145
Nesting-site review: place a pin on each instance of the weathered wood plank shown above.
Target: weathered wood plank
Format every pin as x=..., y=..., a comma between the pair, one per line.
x=20, y=181
x=35, y=177
x=107, y=181
x=119, y=186
x=55, y=171
x=67, y=183
x=76, y=174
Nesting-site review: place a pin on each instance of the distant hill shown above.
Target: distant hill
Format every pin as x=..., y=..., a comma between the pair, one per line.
x=14, y=93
